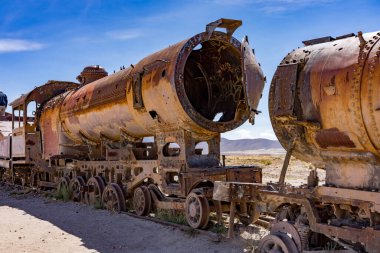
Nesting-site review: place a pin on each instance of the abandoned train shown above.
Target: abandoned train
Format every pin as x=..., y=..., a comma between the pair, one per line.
x=324, y=106
x=88, y=136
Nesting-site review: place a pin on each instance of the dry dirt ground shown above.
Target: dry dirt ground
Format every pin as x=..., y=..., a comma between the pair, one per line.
x=297, y=174
x=35, y=224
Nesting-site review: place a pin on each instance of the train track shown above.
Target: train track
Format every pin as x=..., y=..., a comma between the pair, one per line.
x=263, y=221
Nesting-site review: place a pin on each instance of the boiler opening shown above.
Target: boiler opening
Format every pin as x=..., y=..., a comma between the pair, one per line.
x=213, y=80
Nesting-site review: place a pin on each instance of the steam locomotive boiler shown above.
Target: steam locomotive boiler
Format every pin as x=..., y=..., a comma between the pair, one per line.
x=89, y=137
x=324, y=105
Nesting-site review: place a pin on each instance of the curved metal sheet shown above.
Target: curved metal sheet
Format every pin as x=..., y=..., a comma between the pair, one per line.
x=253, y=78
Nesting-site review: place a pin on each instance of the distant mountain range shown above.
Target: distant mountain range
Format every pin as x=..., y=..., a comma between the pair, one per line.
x=244, y=145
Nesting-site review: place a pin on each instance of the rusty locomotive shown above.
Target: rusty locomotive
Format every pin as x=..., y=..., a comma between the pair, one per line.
x=324, y=104
x=88, y=136
x=324, y=108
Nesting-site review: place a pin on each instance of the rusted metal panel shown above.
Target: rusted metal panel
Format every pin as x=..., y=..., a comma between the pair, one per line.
x=170, y=205
x=253, y=78
x=50, y=131
x=350, y=195
x=137, y=91
x=5, y=147
x=18, y=146
x=247, y=175
x=333, y=138
x=221, y=191
x=285, y=91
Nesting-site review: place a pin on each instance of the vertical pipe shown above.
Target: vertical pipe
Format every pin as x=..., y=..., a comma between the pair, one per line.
x=232, y=219
x=285, y=166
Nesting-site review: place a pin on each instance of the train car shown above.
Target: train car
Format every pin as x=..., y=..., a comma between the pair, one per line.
x=89, y=136
x=324, y=105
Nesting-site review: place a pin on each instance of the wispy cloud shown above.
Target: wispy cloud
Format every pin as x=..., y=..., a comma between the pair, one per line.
x=249, y=134
x=276, y=6
x=125, y=34
x=113, y=35
x=16, y=45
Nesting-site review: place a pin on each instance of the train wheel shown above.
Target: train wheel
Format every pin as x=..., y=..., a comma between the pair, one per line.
x=251, y=215
x=277, y=243
x=102, y=181
x=287, y=228
x=75, y=187
x=113, y=198
x=197, y=210
x=33, y=181
x=93, y=195
x=142, y=201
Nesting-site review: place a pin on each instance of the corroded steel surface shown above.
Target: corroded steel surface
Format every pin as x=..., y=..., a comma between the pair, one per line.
x=176, y=88
x=326, y=97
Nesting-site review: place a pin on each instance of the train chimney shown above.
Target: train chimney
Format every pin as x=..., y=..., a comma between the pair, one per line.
x=91, y=73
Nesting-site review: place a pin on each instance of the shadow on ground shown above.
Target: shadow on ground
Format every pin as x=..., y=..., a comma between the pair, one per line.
x=105, y=232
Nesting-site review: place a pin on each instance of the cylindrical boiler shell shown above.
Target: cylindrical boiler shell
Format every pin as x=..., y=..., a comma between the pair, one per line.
x=156, y=95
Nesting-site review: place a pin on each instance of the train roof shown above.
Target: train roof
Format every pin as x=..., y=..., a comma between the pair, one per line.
x=45, y=92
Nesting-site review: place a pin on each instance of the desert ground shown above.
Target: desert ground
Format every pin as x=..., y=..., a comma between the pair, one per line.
x=297, y=173
x=33, y=223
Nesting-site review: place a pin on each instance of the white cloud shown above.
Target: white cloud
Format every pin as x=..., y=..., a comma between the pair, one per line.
x=294, y=2
x=14, y=45
x=242, y=133
x=275, y=6
x=125, y=34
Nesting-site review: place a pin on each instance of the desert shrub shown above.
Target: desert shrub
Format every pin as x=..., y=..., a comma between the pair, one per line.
x=63, y=193
x=98, y=203
x=171, y=216
x=218, y=229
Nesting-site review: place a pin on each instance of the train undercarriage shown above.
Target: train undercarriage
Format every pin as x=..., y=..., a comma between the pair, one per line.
x=116, y=185
x=309, y=218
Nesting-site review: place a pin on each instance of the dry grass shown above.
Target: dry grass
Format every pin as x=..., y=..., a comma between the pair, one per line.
x=63, y=193
x=171, y=216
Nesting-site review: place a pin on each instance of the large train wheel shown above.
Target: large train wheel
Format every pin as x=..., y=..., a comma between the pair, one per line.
x=113, y=198
x=95, y=190
x=278, y=243
x=142, y=201
x=75, y=187
x=197, y=210
x=284, y=227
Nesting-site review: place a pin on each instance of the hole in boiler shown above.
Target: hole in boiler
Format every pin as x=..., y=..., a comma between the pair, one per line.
x=217, y=117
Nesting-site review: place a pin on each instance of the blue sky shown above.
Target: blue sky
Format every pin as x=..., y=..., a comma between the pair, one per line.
x=53, y=40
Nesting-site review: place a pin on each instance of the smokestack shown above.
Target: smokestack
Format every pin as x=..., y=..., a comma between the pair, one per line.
x=91, y=73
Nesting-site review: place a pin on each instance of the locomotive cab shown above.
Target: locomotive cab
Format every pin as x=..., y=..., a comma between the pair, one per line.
x=23, y=146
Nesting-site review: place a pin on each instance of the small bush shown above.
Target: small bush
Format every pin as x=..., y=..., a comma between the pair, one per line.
x=266, y=162
x=63, y=193
x=171, y=216
x=332, y=246
x=218, y=229
x=98, y=203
